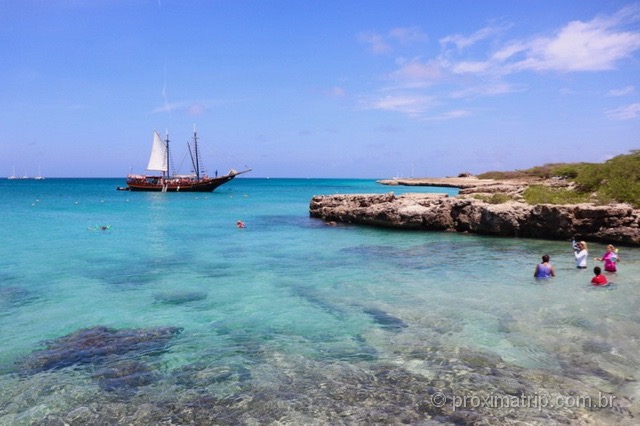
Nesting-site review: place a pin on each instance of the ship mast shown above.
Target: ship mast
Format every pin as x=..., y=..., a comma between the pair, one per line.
x=195, y=146
x=166, y=141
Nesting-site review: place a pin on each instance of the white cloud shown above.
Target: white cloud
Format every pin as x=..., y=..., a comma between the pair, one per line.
x=416, y=71
x=189, y=107
x=471, y=67
x=196, y=108
x=462, y=42
x=498, y=88
x=408, y=35
x=337, y=92
x=624, y=91
x=511, y=49
x=332, y=92
x=600, y=44
x=382, y=43
x=627, y=112
x=413, y=105
x=459, y=113
x=592, y=46
x=568, y=91
x=167, y=107
x=596, y=45
x=376, y=42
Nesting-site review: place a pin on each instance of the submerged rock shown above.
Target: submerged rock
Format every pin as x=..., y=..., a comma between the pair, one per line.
x=314, y=297
x=179, y=297
x=124, y=375
x=596, y=346
x=298, y=390
x=385, y=319
x=15, y=296
x=95, y=345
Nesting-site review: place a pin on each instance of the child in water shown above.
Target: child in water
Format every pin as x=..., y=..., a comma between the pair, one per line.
x=598, y=279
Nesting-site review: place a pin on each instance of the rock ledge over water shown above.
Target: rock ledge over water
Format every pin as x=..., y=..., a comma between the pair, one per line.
x=614, y=223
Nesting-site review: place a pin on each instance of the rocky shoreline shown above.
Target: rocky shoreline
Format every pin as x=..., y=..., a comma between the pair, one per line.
x=613, y=223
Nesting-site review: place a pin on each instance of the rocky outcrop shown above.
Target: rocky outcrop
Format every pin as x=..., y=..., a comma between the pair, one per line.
x=447, y=182
x=467, y=185
x=616, y=223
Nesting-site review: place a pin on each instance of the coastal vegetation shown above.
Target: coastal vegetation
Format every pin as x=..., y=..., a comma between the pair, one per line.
x=615, y=180
x=541, y=194
x=497, y=198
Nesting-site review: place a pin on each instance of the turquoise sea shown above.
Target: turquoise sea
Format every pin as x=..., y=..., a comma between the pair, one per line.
x=173, y=315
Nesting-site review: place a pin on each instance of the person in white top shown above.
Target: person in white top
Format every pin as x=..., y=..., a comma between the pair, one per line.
x=581, y=253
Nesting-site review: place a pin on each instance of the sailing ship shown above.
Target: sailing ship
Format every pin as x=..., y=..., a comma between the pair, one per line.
x=165, y=182
x=13, y=176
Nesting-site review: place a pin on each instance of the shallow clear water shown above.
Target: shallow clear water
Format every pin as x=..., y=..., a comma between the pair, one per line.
x=288, y=311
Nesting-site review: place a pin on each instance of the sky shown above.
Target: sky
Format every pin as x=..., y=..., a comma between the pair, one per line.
x=317, y=88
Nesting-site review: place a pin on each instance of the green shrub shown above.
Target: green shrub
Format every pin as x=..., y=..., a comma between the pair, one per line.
x=497, y=198
x=541, y=194
x=568, y=171
x=517, y=174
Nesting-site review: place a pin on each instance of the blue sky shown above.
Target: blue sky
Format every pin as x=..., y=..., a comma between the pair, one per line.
x=356, y=89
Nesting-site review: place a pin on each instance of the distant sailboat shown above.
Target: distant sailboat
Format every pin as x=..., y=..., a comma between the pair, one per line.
x=13, y=176
x=39, y=177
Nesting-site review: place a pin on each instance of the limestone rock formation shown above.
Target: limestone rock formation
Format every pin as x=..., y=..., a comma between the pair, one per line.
x=617, y=223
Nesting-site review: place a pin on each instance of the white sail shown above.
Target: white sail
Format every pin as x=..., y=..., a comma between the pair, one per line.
x=158, y=159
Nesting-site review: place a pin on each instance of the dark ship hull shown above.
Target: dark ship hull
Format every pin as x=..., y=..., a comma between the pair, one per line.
x=160, y=184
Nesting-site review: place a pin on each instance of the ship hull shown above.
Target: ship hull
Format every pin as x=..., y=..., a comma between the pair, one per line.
x=156, y=184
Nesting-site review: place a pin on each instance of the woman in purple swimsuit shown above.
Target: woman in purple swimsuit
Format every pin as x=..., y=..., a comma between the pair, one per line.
x=544, y=269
